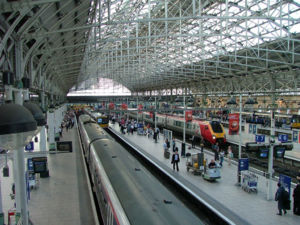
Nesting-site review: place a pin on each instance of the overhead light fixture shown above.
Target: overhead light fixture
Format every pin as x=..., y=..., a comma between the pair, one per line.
x=251, y=101
x=36, y=112
x=177, y=99
x=190, y=99
x=231, y=101
x=17, y=126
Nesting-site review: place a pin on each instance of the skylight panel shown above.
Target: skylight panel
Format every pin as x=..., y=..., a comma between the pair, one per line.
x=295, y=28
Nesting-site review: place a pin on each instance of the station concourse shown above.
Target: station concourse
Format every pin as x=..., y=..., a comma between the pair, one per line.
x=202, y=61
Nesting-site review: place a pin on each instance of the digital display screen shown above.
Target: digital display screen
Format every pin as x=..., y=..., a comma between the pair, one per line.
x=279, y=152
x=64, y=146
x=40, y=167
x=99, y=120
x=263, y=153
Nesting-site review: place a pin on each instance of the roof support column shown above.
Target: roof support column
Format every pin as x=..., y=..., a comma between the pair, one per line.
x=19, y=165
x=271, y=142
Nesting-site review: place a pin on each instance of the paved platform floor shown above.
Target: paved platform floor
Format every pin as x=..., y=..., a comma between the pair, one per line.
x=254, y=208
x=63, y=197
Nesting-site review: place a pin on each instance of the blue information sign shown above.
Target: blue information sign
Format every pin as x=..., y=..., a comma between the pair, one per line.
x=254, y=128
x=260, y=138
x=285, y=182
x=29, y=147
x=140, y=125
x=243, y=164
x=295, y=136
x=30, y=164
x=283, y=137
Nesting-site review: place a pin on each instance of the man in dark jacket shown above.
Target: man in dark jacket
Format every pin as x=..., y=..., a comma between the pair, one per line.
x=175, y=159
x=280, y=199
x=296, y=195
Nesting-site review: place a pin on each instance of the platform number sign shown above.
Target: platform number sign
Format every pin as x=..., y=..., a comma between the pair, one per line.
x=243, y=164
x=295, y=136
x=260, y=138
x=285, y=182
x=29, y=146
x=283, y=137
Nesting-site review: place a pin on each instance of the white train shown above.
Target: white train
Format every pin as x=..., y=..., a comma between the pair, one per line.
x=127, y=193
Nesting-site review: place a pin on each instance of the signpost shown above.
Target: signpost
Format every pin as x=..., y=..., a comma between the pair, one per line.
x=285, y=181
x=254, y=128
x=283, y=138
x=243, y=164
x=29, y=147
x=260, y=138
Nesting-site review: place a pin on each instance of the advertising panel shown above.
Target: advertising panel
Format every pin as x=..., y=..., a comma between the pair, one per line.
x=233, y=123
x=188, y=115
x=124, y=106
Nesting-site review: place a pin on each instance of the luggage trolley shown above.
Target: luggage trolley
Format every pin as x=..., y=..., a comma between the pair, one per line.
x=194, y=162
x=33, y=179
x=140, y=129
x=249, y=182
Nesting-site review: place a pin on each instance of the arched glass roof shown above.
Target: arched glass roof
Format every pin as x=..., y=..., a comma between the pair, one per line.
x=99, y=87
x=205, y=46
x=148, y=45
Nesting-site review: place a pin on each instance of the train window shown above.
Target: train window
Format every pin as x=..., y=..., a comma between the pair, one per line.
x=178, y=124
x=216, y=126
x=206, y=127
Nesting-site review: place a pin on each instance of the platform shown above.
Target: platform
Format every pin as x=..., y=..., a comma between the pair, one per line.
x=62, y=198
x=250, y=138
x=254, y=208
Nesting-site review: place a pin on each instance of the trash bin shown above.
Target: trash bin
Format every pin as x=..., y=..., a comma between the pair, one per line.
x=182, y=149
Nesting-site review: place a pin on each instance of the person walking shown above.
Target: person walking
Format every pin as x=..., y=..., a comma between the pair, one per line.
x=193, y=141
x=175, y=159
x=296, y=196
x=216, y=148
x=173, y=144
x=157, y=132
x=155, y=137
x=202, y=147
x=229, y=155
x=279, y=197
x=222, y=154
x=165, y=145
x=168, y=144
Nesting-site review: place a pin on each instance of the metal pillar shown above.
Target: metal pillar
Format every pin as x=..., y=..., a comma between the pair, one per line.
x=240, y=138
x=43, y=142
x=137, y=112
x=270, y=159
x=19, y=162
x=183, y=119
x=51, y=130
x=1, y=208
x=155, y=123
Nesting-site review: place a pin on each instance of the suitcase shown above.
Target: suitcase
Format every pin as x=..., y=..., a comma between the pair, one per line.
x=167, y=154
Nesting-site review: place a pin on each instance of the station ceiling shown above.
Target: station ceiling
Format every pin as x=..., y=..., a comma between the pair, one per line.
x=206, y=46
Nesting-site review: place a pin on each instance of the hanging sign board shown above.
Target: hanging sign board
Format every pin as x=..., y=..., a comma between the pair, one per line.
x=233, y=123
x=260, y=138
x=29, y=146
x=188, y=115
x=243, y=164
